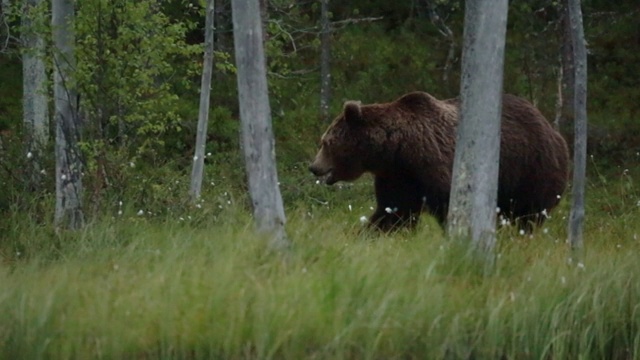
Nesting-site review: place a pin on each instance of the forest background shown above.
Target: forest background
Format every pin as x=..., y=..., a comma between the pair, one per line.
x=138, y=77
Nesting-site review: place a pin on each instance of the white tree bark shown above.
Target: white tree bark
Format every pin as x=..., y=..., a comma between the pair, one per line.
x=68, y=163
x=472, y=207
x=567, y=60
x=325, y=60
x=34, y=96
x=203, y=114
x=255, y=115
x=576, y=221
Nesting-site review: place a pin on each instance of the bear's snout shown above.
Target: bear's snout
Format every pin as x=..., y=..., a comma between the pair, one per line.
x=318, y=170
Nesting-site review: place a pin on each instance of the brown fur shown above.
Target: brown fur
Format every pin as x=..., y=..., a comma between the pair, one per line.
x=408, y=145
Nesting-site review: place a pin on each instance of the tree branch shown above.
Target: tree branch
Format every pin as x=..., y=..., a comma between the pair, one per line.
x=346, y=22
x=445, y=31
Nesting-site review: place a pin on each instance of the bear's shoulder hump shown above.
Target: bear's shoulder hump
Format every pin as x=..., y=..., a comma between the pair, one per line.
x=416, y=100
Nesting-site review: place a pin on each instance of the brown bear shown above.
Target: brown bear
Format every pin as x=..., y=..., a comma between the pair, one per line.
x=408, y=146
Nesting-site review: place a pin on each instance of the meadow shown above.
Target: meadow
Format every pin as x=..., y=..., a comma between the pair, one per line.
x=202, y=285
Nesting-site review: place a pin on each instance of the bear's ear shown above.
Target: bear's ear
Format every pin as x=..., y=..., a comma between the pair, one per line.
x=353, y=112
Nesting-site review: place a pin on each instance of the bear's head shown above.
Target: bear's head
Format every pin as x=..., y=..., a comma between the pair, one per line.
x=345, y=146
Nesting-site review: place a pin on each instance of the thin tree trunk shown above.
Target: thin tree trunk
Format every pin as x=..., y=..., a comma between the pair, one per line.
x=559, y=98
x=325, y=60
x=567, y=111
x=255, y=115
x=203, y=114
x=68, y=163
x=576, y=222
x=34, y=96
x=472, y=208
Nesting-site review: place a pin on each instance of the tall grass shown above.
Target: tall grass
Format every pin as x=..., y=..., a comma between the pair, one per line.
x=133, y=287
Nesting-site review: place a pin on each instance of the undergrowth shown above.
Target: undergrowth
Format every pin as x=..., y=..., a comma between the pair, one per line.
x=202, y=285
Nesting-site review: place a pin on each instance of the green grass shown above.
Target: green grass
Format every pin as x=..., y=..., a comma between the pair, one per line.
x=138, y=287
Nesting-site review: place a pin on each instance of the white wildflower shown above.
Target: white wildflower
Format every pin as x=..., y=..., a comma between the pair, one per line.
x=498, y=210
x=545, y=231
x=29, y=155
x=363, y=219
x=349, y=207
x=195, y=158
x=132, y=164
x=521, y=232
x=63, y=177
x=545, y=213
x=388, y=210
x=140, y=212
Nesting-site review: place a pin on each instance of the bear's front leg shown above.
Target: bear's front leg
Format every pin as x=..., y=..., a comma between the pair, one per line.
x=399, y=203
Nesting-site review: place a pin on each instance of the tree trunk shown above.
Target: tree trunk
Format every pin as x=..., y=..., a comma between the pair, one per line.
x=203, y=114
x=557, y=120
x=34, y=96
x=68, y=163
x=325, y=60
x=255, y=115
x=576, y=221
x=472, y=208
x=567, y=111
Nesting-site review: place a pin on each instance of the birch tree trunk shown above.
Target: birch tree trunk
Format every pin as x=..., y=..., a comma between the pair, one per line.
x=472, y=207
x=68, y=163
x=325, y=60
x=567, y=110
x=255, y=115
x=203, y=114
x=576, y=221
x=35, y=106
